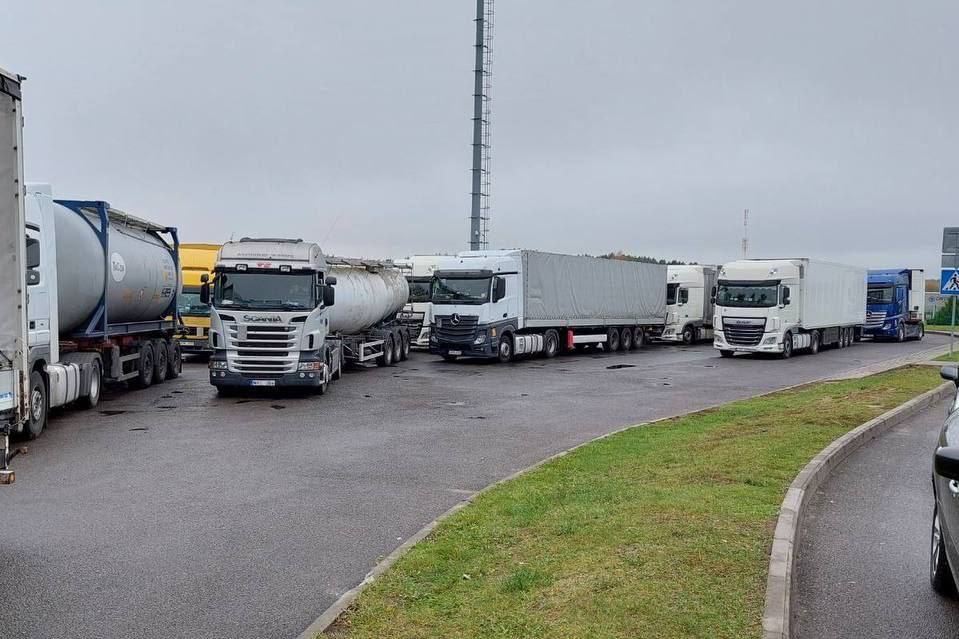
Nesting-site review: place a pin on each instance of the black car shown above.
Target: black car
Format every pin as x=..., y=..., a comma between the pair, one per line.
x=944, y=555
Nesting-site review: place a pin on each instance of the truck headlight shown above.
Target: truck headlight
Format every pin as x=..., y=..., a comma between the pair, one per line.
x=218, y=364
x=310, y=366
x=479, y=340
x=769, y=341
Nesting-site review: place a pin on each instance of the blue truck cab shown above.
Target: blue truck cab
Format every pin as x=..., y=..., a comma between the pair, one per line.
x=895, y=304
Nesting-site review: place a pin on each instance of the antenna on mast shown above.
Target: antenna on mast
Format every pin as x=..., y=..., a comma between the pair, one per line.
x=745, y=233
x=482, y=114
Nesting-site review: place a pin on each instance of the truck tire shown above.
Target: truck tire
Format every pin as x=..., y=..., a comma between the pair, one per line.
x=626, y=339
x=612, y=340
x=92, y=398
x=37, y=405
x=689, y=335
x=386, y=359
x=814, y=343
x=550, y=344
x=842, y=338
x=397, y=347
x=725, y=353
x=639, y=338
x=145, y=367
x=176, y=361
x=787, y=346
x=901, y=333
x=504, y=351
x=405, y=355
x=161, y=358
x=922, y=332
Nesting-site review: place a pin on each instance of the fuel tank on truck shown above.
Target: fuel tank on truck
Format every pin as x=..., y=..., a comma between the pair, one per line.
x=141, y=279
x=365, y=295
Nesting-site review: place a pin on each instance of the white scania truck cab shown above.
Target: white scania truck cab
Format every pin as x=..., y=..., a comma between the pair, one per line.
x=276, y=319
x=783, y=305
x=689, y=306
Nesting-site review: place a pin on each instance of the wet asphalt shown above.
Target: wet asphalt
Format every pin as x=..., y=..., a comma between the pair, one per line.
x=171, y=512
x=863, y=560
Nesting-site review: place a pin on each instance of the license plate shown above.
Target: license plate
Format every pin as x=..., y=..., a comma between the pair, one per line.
x=456, y=352
x=262, y=382
x=185, y=343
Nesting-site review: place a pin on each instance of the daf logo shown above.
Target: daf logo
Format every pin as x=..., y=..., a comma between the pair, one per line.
x=455, y=319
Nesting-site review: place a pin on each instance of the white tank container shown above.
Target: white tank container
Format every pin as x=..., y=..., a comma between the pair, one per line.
x=364, y=298
x=142, y=277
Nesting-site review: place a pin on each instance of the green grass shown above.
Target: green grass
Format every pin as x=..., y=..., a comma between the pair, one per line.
x=954, y=357
x=937, y=327
x=662, y=531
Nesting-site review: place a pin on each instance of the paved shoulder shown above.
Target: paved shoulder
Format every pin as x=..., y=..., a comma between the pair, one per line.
x=863, y=558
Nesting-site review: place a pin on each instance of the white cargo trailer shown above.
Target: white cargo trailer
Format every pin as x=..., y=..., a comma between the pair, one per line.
x=689, y=307
x=781, y=305
x=284, y=315
x=498, y=304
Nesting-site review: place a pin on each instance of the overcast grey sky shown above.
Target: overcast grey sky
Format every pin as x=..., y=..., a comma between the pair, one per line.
x=639, y=126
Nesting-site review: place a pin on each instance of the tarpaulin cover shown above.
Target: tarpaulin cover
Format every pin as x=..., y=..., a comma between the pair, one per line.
x=11, y=230
x=570, y=287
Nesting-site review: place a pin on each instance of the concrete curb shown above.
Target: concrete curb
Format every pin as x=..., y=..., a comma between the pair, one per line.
x=779, y=583
x=322, y=623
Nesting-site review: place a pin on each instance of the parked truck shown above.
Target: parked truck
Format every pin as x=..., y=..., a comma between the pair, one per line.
x=689, y=303
x=196, y=261
x=284, y=315
x=783, y=305
x=14, y=339
x=896, y=304
x=500, y=304
x=418, y=312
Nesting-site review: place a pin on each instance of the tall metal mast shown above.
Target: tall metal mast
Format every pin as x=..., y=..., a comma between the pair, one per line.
x=482, y=101
x=745, y=233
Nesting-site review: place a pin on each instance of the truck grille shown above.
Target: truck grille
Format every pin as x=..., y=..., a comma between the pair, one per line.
x=875, y=319
x=259, y=350
x=448, y=330
x=744, y=332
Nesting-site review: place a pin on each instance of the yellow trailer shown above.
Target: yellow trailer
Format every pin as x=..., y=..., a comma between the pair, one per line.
x=196, y=260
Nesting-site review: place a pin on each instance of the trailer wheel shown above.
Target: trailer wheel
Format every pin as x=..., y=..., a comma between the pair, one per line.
x=92, y=397
x=386, y=359
x=176, y=361
x=397, y=347
x=161, y=357
x=639, y=338
x=504, y=352
x=405, y=355
x=38, y=405
x=689, y=335
x=814, y=343
x=626, y=339
x=612, y=340
x=145, y=367
x=550, y=344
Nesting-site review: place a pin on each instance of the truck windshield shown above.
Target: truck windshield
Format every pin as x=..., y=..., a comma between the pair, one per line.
x=448, y=290
x=419, y=289
x=748, y=294
x=879, y=295
x=265, y=291
x=671, y=293
x=188, y=304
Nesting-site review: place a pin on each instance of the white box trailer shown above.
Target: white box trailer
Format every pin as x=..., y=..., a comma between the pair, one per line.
x=498, y=304
x=779, y=305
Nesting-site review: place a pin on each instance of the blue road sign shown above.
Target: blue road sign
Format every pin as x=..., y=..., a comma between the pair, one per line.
x=949, y=281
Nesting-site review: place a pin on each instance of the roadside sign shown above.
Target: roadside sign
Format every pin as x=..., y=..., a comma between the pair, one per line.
x=950, y=240
x=949, y=281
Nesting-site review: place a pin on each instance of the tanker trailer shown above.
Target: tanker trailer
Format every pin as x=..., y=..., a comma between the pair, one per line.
x=102, y=301
x=284, y=315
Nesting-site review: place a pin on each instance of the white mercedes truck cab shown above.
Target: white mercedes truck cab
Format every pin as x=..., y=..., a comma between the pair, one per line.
x=689, y=306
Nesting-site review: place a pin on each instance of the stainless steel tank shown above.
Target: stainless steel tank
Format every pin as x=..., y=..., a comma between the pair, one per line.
x=141, y=278
x=364, y=298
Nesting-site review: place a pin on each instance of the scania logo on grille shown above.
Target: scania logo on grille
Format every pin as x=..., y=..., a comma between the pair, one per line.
x=262, y=318
x=455, y=319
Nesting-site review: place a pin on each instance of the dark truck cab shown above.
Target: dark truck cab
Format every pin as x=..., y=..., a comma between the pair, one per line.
x=895, y=303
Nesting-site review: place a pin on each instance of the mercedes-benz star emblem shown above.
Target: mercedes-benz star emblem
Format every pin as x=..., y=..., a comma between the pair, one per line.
x=455, y=319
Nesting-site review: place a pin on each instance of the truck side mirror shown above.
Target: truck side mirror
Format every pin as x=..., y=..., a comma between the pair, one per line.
x=712, y=296
x=785, y=296
x=205, y=291
x=499, y=289
x=331, y=281
x=329, y=294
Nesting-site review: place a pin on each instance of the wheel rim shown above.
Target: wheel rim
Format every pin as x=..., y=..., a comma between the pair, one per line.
x=788, y=345
x=626, y=340
x=551, y=345
x=36, y=405
x=936, y=539
x=95, y=384
x=688, y=336
x=504, y=349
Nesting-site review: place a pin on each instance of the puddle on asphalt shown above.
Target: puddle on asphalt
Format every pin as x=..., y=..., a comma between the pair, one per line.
x=110, y=413
x=138, y=428
x=277, y=406
x=618, y=366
